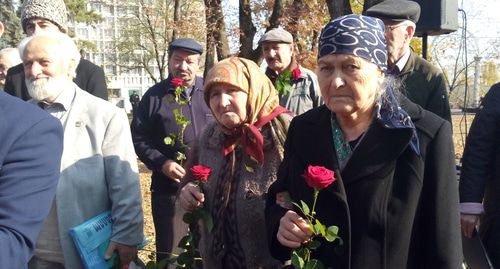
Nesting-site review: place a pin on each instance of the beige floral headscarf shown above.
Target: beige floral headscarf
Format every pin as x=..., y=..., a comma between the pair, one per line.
x=262, y=103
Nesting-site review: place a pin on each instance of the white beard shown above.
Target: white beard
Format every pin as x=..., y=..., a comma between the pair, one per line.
x=47, y=88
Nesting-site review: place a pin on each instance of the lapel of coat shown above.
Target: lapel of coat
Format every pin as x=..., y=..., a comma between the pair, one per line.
x=74, y=127
x=409, y=66
x=317, y=143
x=378, y=148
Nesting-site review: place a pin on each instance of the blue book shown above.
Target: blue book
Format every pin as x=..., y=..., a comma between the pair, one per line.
x=92, y=238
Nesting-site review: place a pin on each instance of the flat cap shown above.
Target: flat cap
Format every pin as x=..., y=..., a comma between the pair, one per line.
x=277, y=35
x=188, y=44
x=395, y=10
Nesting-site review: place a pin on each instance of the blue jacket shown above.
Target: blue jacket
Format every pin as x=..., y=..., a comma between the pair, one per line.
x=155, y=120
x=30, y=157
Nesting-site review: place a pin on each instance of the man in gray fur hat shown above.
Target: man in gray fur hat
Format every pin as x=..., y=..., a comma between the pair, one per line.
x=424, y=83
x=51, y=15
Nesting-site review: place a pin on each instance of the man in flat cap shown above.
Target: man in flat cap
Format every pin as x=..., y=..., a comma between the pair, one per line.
x=424, y=83
x=297, y=86
x=51, y=16
x=155, y=120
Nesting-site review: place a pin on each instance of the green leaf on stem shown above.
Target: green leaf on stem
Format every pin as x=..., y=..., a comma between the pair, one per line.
x=305, y=208
x=332, y=233
x=169, y=140
x=183, y=258
x=319, y=228
x=313, y=244
x=297, y=260
x=314, y=264
x=286, y=89
x=207, y=219
x=151, y=265
x=163, y=263
x=188, y=217
x=179, y=156
x=184, y=242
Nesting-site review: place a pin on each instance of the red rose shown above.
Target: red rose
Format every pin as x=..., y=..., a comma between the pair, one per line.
x=177, y=82
x=318, y=177
x=296, y=74
x=201, y=172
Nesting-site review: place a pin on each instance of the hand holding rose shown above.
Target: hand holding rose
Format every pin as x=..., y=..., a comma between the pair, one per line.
x=301, y=233
x=191, y=197
x=294, y=230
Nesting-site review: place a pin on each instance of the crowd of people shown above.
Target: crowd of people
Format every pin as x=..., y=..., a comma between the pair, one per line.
x=374, y=113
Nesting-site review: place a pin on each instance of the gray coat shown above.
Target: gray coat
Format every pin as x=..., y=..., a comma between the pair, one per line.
x=305, y=93
x=250, y=197
x=98, y=173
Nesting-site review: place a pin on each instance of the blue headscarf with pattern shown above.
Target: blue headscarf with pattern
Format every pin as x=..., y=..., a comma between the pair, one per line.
x=363, y=36
x=355, y=34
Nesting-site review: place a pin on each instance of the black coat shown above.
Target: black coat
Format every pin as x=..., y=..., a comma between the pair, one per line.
x=425, y=85
x=480, y=175
x=89, y=77
x=394, y=209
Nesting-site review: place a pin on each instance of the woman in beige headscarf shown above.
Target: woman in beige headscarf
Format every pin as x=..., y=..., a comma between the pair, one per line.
x=243, y=149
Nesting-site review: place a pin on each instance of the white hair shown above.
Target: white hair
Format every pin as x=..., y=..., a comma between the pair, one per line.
x=12, y=56
x=68, y=51
x=388, y=82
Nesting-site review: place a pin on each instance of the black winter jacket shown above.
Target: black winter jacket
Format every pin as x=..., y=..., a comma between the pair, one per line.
x=394, y=209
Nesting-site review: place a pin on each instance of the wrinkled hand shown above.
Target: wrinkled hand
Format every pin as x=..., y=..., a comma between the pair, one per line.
x=191, y=197
x=468, y=222
x=173, y=170
x=283, y=199
x=126, y=253
x=293, y=230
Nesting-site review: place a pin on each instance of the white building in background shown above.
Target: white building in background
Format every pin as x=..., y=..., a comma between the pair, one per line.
x=121, y=81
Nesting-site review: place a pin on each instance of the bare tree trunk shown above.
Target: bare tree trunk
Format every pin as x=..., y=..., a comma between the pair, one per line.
x=211, y=23
x=338, y=8
x=221, y=35
x=177, y=15
x=217, y=44
x=247, y=29
x=148, y=14
x=314, y=37
x=296, y=13
x=277, y=15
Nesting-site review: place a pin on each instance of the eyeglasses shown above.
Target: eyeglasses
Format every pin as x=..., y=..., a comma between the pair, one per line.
x=388, y=28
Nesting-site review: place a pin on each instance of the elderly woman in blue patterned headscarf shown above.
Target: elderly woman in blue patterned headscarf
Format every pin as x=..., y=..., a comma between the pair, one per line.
x=395, y=195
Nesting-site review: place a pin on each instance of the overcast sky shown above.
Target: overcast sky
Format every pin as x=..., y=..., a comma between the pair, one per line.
x=483, y=21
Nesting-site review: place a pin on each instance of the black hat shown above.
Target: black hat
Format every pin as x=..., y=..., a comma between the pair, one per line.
x=185, y=44
x=395, y=10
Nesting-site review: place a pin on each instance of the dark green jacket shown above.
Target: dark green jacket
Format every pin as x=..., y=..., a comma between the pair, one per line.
x=425, y=85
